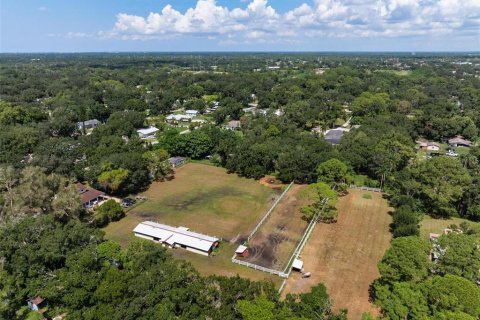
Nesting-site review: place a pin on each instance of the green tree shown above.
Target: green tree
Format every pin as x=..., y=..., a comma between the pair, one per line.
x=405, y=260
x=441, y=183
x=112, y=180
x=109, y=211
x=158, y=164
x=259, y=309
x=333, y=171
x=324, y=201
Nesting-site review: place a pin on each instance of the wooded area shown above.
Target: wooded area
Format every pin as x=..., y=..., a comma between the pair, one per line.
x=320, y=119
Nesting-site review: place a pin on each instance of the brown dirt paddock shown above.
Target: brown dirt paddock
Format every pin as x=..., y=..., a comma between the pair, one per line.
x=273, y=244
x=344, y=255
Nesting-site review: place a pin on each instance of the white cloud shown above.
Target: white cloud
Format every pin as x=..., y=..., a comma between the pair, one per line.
x=259, y=21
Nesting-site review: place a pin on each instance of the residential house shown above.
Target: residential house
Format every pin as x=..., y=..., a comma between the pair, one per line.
x=37, y=303
x=177, y=162
x=175, y=118
x=233, y=125
x=192, y=113
x=333, y=136
x=176, y=237
x=90, y=196
x=428, y=145
x=147, y=132
x=89, y=124
x=459, y=141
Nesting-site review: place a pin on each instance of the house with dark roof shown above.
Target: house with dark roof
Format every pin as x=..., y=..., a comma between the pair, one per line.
x=459, y=141
x=177, y=162
x=334, y=136
x=89, y=196
x=89, y=124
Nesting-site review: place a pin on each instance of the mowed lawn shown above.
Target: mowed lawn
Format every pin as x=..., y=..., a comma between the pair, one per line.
x=203, y=198
x=432, y=225
x=344, y=255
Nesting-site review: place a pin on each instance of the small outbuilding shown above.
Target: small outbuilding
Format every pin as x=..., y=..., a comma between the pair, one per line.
x=242, y=251
x=297, y=265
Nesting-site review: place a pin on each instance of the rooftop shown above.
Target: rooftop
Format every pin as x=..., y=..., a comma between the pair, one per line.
x=172, y=235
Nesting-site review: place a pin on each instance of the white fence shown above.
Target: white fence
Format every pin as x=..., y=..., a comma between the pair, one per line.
x=365, y=188
x=269, y=211
x=257, y=267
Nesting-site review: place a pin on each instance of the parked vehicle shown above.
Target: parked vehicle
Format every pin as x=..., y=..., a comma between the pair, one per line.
x=127, y=202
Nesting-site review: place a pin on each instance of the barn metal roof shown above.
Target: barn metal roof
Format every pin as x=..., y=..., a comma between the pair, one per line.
x=172, y=235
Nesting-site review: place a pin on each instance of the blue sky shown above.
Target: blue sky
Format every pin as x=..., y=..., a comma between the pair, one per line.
x=239, y=25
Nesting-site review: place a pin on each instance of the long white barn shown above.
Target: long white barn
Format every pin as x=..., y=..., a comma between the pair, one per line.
x=176, y=237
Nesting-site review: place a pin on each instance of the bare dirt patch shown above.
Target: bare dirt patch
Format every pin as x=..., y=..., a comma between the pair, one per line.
x=344, y=255
x=274, y=243
x=272, y=182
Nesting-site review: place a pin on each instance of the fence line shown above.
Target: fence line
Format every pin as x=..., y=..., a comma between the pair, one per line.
x=306, y=236
x=269, y=211
x=288, y=269
x=352, y=186
x=257, y=267
x=284, y=282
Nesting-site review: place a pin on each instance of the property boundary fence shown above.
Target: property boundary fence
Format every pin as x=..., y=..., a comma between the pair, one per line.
x=269, y=211
x=257, y=267
x=365, y=188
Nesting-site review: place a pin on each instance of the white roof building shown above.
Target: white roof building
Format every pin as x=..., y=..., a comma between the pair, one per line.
x=178, y=117
x=176, y=237
x=191, y=112
x=297, y=264
x=150, y=131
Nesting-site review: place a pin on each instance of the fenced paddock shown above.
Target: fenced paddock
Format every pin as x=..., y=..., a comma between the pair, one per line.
x=273, y=243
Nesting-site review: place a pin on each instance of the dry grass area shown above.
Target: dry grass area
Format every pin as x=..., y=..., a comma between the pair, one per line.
x=207, y=200
x=203, y=198
x=432, y=225
x=275, y=241
x=344, y=255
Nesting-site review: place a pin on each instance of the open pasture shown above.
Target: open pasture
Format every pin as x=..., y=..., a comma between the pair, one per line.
x=207, y=200
x=344, y=255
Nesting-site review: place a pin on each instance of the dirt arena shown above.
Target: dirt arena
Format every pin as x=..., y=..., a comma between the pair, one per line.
x=274, y=243
x=344, y=255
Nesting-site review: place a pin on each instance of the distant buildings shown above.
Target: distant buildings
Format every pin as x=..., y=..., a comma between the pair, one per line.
x=147, y=132
x=233, y=125
x=89, y=124
x=428, y=145
x=333, y=136
x=459, y=141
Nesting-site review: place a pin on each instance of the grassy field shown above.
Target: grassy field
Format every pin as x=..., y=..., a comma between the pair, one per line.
x=344, y=255
x=275, y=241
x=432, y=225
x=205, y=199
